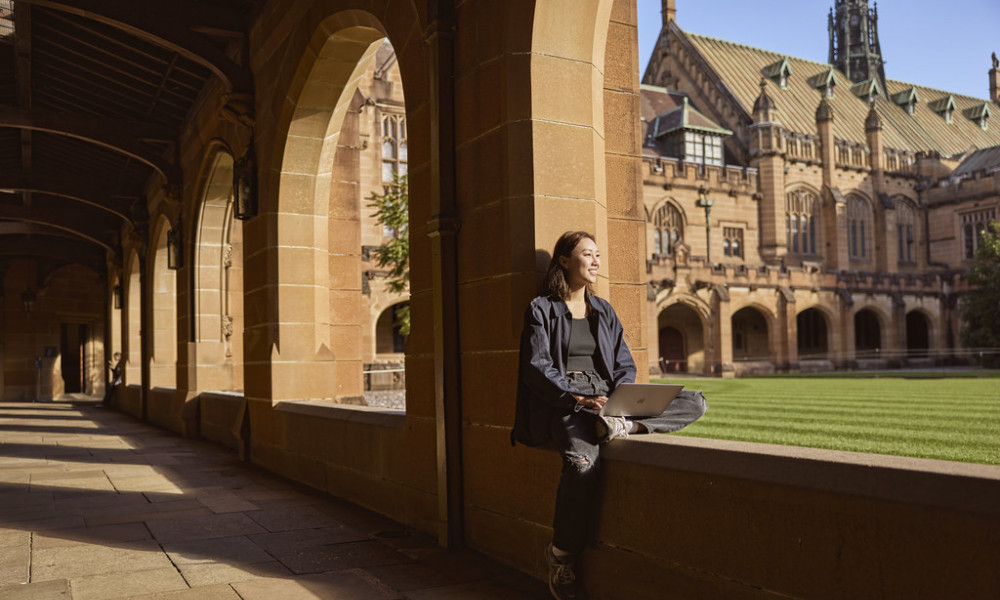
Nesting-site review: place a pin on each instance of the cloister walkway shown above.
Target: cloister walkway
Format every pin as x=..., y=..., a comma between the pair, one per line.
x=97, y=505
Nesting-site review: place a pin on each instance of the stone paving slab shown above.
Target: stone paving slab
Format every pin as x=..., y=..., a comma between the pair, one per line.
x=95, y=505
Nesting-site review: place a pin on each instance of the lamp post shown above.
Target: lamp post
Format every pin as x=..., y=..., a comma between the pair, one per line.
x=705, y=202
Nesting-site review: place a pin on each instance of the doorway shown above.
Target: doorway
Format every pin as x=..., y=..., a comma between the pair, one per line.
x=73, y=350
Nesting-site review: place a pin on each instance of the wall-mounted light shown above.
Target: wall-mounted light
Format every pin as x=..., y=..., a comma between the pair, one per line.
x=245, y=185
x=175, y=247
x=705, y=202
x=28, y=300
x=116, y=296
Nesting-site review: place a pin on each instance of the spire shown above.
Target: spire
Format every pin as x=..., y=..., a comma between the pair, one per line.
x=854, y=45
x=873, y=122
x=763, y=107
x=824, y=112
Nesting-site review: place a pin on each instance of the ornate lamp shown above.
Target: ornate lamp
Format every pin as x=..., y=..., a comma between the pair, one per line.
x=175, y=247
x=705, y=202
x=245, y=185
x=28, y=300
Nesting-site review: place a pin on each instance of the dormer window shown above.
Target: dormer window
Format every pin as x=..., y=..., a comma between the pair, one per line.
x=867, y=90
x=944, y=107
x=778, y=72
x=689, y=135
x=824, y=82
x=907, y=99
x=978, y=114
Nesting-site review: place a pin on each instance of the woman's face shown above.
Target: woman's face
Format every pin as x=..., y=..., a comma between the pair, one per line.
x=582, y=264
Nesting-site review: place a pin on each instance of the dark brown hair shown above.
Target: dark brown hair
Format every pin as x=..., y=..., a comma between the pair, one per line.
x=555, y=283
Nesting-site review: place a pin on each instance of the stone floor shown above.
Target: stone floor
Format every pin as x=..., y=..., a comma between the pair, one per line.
x=97, y=505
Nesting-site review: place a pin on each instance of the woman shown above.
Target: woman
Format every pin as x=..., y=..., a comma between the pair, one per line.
x=573, y=355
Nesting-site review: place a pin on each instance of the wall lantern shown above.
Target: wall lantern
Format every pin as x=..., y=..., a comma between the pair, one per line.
x=175, y=247
x=705, y=202
x=116, y=296
x=28, y=300
x=245, y=186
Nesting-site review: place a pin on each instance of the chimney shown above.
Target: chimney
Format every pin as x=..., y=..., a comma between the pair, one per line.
x=669, y=11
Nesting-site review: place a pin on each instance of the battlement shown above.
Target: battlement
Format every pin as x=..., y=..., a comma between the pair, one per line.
x=673, y=171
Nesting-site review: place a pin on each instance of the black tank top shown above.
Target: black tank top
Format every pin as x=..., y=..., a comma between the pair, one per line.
x=582, y=347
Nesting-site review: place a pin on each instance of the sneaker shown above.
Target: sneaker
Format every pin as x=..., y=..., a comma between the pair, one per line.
x=562, y=577
x=615, y=428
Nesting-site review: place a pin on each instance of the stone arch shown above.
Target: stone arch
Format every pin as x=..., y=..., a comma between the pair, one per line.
x=869, y=325
x=218, y=279
x=132, y=293
x=752, y=325
x=163, y=288
x=316, y=289
x=667, y=223
x=815, y=333
x=803, y=220
x=919, y=334
x=681, y=330
x=387, y=338
x=907, y=232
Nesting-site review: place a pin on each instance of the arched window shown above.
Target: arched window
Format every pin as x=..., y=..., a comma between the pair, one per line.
x=905, y=219
x=393, y=133
x=669, y=230
x=801, y=222
x=859, y=229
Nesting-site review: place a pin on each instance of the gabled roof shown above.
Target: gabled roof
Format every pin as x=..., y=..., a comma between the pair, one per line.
x=679, y=114
x=824, y=79
x=906, y=96
x=866, y=89
x=943, y=104
x=776, y=69
x=987, y=159
x=978, y=112
x=739, y=68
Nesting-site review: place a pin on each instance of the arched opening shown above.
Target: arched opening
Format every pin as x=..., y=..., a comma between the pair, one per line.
x=133, y=322
x=218, y=284
x=750, y=335
x=812, y=329
x=385, y=375
x=680, y=340
x=867, y=334
x=917, y=334
x=163, y=362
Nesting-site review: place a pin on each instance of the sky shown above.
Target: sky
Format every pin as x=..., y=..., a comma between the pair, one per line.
x=945, y=48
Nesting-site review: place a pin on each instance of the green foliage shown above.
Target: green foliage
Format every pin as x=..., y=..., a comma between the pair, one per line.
x=392, y=212
x=949, y=418
x=979, y=308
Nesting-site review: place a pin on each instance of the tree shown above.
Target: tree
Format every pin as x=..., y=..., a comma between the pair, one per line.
x=979, y=308
x=392, y=212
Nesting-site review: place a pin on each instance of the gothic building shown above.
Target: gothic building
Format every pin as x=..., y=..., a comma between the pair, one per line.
x=806, y=216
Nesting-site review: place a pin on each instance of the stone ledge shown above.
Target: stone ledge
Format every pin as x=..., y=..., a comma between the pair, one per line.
x=956, y=485
x=379, y=417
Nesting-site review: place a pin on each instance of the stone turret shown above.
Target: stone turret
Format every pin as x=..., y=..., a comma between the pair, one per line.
x=834, y=216
x=995, y=80
x=767, y=153
x=669, y=11
x=854, y=45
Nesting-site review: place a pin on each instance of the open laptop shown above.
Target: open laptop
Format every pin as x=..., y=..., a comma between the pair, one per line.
x=640, y=399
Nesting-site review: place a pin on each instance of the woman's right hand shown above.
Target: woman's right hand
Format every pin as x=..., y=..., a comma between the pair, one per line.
x=595, y=402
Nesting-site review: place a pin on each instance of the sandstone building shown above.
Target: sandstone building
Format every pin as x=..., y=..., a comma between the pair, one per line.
x=806, y=216
x=185, y=182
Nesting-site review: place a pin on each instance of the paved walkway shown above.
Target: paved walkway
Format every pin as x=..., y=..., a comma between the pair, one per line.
x=97, y=505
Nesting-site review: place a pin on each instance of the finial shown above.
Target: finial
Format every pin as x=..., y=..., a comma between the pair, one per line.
x=996, y=63
x=763, y=80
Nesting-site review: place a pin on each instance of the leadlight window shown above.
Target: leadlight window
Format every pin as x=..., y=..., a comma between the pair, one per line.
x=974, y=225
x=859, y=227
x=668, y=230
x=732, y=241
x=905, y=219
x=393, y=131
x=703, y=148
x=801, y=215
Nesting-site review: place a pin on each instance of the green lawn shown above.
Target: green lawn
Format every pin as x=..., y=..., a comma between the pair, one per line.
x=952, y=418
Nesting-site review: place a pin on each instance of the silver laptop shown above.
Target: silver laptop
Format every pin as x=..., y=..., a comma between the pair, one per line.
x=640, y=399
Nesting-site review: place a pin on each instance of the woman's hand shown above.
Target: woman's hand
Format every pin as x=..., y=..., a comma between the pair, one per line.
x=595, y=402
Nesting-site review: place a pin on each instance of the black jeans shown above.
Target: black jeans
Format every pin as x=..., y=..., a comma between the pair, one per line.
x=575, y=437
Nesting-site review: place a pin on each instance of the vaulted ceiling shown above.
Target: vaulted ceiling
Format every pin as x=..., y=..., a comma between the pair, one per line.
x=94, y=95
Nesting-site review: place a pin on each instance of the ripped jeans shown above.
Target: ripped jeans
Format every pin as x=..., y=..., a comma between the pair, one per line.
x=575, y=437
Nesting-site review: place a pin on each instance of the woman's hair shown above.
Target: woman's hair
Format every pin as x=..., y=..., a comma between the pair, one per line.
x=555, y=283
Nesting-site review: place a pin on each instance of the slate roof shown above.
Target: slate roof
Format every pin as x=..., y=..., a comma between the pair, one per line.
x=664, y=111
x=987, y=159
x=740, y=68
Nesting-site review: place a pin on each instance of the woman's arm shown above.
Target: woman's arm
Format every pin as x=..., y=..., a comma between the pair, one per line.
x=537, y=370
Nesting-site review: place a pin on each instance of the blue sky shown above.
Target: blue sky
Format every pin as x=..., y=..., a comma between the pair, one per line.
x=946, y=48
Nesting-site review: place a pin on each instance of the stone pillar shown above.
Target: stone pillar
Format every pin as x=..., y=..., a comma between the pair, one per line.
x=787, y=347
x=994, y=80
x=834, y=217
x=669, y=11
x=722, y=328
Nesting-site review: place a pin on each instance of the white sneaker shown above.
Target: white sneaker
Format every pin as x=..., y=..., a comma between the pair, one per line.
x=617, y=428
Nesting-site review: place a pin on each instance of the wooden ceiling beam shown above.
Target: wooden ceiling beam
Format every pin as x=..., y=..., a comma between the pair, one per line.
x=75, y=224
x=166, y=25
x=77, y=189
x=116, y=134
x=40, y=242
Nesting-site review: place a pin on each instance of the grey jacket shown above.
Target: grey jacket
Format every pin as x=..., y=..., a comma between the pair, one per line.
x=542, y=388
